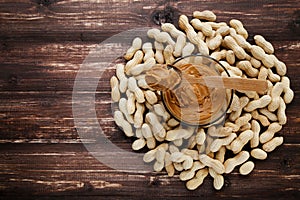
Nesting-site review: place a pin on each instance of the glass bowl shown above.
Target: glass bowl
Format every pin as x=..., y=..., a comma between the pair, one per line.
x=195, y=103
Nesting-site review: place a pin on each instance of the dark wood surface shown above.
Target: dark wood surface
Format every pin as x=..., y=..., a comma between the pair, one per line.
x=42, y=45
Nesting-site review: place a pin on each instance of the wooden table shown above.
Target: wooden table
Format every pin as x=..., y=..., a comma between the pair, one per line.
x=42, y=45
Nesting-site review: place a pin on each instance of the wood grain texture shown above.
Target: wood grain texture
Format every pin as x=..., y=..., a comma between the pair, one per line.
x=42, y=46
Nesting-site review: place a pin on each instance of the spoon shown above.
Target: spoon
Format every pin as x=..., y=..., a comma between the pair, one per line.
x=157, y=78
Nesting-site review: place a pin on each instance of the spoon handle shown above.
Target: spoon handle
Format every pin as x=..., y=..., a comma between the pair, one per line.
x=232, y=83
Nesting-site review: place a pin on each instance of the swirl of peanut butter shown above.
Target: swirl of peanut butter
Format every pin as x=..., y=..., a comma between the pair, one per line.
x=190, y=102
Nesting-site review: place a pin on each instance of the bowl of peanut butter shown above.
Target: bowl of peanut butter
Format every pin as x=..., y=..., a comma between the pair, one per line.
x=187, y=95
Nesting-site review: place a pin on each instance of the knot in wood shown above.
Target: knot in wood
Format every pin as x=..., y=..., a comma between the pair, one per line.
x=163, y=16
x=45, y=2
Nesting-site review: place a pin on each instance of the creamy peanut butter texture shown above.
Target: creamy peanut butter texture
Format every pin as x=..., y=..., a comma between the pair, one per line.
x=188, y=101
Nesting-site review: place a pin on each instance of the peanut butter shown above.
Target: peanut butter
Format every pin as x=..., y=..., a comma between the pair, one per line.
x=189, y=102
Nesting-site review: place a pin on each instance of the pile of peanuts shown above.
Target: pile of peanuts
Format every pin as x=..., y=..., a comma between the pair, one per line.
x=252, y=121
